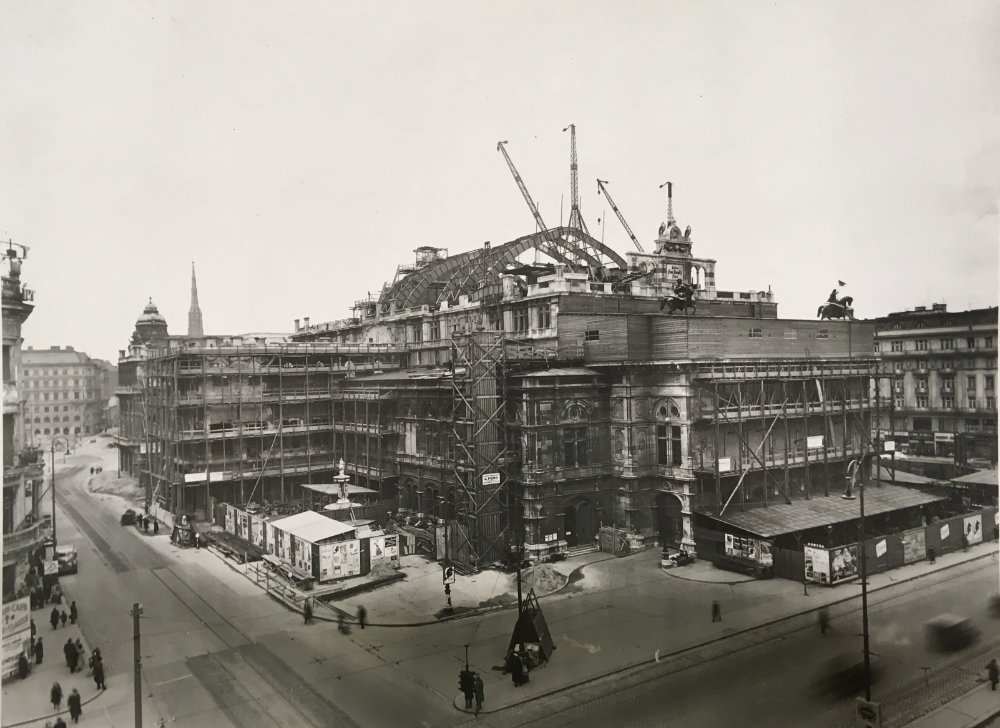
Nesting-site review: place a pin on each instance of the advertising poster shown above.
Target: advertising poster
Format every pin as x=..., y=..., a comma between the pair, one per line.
x=880, y=548
x=729, y=544
x=914, y=545
x=230, y=520
x=974, y=529
x=843, y=563
x=16, y=632
x=817, y=563
x=945, y=532
x=392, y=549
x=353, y=557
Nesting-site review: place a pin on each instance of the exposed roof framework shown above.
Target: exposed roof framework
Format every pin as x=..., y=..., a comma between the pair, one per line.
x=466, y=272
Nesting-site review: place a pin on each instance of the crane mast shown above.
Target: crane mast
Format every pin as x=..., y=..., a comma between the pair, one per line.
x=575, y=218
x=601, y=188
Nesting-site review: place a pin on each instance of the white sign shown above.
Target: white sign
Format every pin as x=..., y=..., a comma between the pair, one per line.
x=869, y=713
x=889, y=446
x=880, y=548
x=16, y=632
x=814, y=442
x=491, y=478
x=974, y=529
x=945, y=531
x=725, y=464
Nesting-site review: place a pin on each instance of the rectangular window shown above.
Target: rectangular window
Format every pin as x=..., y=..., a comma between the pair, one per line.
x=988, y=343
x=947, y=402
x=897, y=386
x=897, y=402
x=592, y=335
x=990, y=427
x=662, y=446
x=970, y=342
x=675, y=445
x=970, y=383
x=897, y=346
x=823, y=334
x=520, y=319
x=575, y=447
x=755, y=333
x=544, y=317
x=972, y=402
x=921, y=364
x=898, y=367
x=921, y=344
x=988, y=381
x=947, y=343
x=991, y=403
x=544, y=413
x=922, y=385
x=948, y=384
x=972, y=425
x=921, y=401
x=878, y=347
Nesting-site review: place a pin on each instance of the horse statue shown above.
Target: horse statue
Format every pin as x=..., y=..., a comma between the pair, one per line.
x=682, y=299
x=839, y=309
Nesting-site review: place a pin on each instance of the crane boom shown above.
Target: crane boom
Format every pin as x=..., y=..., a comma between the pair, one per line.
x=575, y=217
x=601, y=188
x=521, y=186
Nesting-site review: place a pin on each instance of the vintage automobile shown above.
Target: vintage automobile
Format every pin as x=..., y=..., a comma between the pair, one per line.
x=950, y=632
x=66, y=558
x=129, y=518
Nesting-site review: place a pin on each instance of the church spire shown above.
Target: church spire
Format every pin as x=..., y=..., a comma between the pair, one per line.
x=194, y=314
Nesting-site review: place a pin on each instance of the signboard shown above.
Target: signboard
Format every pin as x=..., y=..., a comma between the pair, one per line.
x=725, y=464
x=817, y=563
x=914, y=545
x=447, y=574
x=814, y=442
x=868, y=713
x=51, y=568
x=491, y=478
x=944, y=437
x=16, y=632
x=945, y=532
x=844, y=563
x=974, y=528
x=751, y=549
x=880, y=548
x=889, y=446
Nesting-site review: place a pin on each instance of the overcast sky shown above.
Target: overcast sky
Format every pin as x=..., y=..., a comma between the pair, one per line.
x=298, y=152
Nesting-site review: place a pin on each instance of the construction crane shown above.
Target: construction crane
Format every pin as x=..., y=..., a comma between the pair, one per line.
x=601, y=188
x=575, y=218
x=550, y=248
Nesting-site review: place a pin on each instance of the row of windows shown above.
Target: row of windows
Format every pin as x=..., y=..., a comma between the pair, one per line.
x=944, y=424
x=32, y=371
x=947, y=343
x=53, y=383
x=948, y=383
x=44, y=396
x=65, y=431
x=758, y=333
x=971, y=363
x=947, y=401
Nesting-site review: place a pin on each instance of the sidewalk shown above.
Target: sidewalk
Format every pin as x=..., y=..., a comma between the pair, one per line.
x=976, y=708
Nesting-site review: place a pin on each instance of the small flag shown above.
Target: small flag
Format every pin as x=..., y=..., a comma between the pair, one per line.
x=841, y=283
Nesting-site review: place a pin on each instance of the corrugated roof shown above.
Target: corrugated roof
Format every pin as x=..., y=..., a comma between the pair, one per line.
x=311, y=526
x=805, y=514
x=980, y=477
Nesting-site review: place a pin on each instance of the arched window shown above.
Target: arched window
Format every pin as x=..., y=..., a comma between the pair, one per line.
x=668, y=433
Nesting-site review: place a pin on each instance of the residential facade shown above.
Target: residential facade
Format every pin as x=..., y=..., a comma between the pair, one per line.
x=944, y=385
x=22, y=465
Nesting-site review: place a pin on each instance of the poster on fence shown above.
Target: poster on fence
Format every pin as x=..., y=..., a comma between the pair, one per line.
x=974, y=528
x=945, y=532
x=880, y=548
x=914, y=545
x=843, y=563
x=817, y=563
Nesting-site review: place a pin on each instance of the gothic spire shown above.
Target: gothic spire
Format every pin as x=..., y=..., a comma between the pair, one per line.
x=194, y=314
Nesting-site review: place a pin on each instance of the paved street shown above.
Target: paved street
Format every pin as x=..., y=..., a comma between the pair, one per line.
x=218, y=652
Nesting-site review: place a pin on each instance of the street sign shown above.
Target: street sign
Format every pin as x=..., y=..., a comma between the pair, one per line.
x=491, y=478
x=869, y=713
x=51, y=567
x=448, y=574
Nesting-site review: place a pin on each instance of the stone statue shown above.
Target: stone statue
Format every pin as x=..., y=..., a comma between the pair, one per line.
x=341, y=467
x=687, y=233
x=663, y=228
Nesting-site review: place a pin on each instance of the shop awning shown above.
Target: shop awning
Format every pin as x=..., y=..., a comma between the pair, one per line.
x=803, y=515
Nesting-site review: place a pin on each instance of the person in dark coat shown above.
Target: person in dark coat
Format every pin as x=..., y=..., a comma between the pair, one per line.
x=55, y=695
x=63, y=617
x=307, y=611
x=99, y=674
x=73, y=613
x=60, y=723
x=993, y=672
x=479, y=693
x=75, y=705
x=156, y=526
x=22, y=666
x=716, y=611
x=362, y=615
x=34, y=629
x=54, y=618
x=516, y=668
x=467, y=684
x=39, y=651
x=69, y=651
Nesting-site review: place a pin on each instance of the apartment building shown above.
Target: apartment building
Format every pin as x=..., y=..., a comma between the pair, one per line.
x=944, y=385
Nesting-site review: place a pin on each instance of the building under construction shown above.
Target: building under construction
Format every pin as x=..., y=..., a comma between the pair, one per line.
x=532, y=392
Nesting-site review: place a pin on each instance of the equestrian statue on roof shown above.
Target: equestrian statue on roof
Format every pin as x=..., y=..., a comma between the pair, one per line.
x=682, y=298
x=835, y=307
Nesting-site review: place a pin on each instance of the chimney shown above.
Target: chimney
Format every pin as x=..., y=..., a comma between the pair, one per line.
x=121, y=353
x=306, y=320
x=939, y=307
x=296, y=324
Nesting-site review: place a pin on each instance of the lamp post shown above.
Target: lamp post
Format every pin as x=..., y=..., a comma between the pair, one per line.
x=52, y=448
x=853, y=468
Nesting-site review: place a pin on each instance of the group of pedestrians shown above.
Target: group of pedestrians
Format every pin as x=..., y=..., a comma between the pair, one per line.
x=59, y=617
x=517, y=664
x=471, y=684
x=74, y=653
x=73, y=702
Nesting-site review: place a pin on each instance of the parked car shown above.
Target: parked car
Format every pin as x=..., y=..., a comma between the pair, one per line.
x=129, y=517
x=66, y=558
x=950, y=632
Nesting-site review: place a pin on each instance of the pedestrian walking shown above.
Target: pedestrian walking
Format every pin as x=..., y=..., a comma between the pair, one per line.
x=63, y=617
x=69, y=652
x=75, y=705
x=55, y=695
x=479, y=693
x=73, y=613
x=824, y=621
x=39, y=651
x=156, y=526
x=22, y=666
x=993, y=672
x=716, y=611
x=307, y=611
x=91, y=469
x=60, y=723
x=362, y=614
x=467, y=684
x=80, y=653
x=34, y=629
x=99, y=674
x=54, y=618
x=965, y=542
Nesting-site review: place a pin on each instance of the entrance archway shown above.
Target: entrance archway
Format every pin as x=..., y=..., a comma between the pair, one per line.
x=579, y=523
x=669, y=521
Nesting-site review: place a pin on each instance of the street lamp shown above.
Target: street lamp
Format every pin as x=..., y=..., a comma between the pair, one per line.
x=52, y=448
x=853, y=468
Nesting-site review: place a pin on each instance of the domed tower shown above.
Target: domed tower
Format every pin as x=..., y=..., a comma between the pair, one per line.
x=150, y=326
